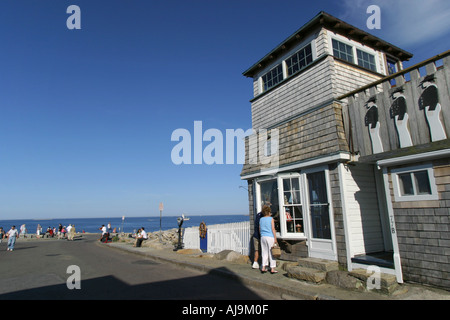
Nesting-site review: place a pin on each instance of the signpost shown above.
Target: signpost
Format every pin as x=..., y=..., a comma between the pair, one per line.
x=161, y=208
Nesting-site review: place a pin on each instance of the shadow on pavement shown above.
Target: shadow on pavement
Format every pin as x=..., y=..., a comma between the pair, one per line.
x=16, y=248
x=111, y=288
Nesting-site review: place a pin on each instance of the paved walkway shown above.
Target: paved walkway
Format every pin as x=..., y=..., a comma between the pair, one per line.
x=278, y=284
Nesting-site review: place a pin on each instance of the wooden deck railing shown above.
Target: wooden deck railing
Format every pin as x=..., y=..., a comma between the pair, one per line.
x=384, y=117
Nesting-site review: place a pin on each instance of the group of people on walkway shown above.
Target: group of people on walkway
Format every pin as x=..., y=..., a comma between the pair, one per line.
x=13, y=234
x=264, y=238
x=62, y=232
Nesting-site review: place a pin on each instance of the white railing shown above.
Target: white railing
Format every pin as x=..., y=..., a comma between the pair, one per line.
x=229, y=236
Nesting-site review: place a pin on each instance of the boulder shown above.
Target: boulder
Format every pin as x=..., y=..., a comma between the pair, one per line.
x=189, y=251
x=344, y=280
x=232, y=256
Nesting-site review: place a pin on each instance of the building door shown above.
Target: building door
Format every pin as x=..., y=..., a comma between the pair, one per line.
x=321, y=240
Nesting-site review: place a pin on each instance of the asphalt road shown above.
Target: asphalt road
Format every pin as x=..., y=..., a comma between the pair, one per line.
x=39, y=270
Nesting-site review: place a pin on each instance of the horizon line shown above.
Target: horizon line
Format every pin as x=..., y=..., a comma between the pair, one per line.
x=120, y=217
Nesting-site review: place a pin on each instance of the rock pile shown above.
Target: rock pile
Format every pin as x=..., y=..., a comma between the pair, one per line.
x=168, y=239
x=167, y=236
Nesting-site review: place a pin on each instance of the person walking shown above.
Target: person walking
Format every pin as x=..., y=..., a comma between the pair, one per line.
x=23, y=231
x=60, y=227
x=268, y=239
x=38, y=231
x=12, y=236
x=69, y=227
x=71, y=233
x=257, y=237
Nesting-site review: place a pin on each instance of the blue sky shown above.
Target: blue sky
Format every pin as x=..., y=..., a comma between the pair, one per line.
x=86, y=116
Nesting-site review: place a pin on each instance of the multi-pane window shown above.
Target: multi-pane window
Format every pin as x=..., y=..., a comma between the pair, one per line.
x=319, y=206
x=343, y=51
x=299, y=60
x=366, y=60
x=292, y=207
x=299, y=204
x=272, y=77
x=346, y=52
x=414, y=184
x=292, y=65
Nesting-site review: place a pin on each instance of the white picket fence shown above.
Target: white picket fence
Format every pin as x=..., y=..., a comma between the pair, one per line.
x=228, y=236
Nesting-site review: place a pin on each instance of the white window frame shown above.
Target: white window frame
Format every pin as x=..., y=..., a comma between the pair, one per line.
x=306, y=232
x=280, y=64
x=348, y=45
x=355, y=45
x=374, y=59
x=416, y=197
x=284, y=234
x=308, y=41
x=294, y=53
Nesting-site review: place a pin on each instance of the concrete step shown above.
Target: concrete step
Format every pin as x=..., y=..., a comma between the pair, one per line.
x=292, y=257
x=387, y=282
x=306, y=274
x=318, y=264
x=324, y=271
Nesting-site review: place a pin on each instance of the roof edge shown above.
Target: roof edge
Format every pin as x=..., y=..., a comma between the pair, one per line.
x=334, y=24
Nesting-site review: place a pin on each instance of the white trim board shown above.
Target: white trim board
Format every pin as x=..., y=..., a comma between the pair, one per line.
x=414, y=158
x=304, y=164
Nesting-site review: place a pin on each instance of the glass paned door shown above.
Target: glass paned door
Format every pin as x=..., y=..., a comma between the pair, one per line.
x=318, y=205
x=269, y=196
x=292, y=205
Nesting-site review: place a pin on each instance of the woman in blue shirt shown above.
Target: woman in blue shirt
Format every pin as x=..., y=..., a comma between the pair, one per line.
x=268, y=239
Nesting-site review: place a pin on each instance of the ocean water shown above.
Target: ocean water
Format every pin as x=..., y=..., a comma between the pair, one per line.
x=151, y=224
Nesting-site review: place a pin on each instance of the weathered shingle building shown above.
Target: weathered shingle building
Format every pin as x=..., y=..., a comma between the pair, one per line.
x=362, y=156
